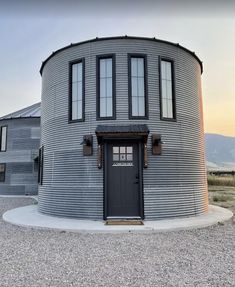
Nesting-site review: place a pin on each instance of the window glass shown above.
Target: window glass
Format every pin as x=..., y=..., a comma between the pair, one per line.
x=140, y=87
x=115, y=149
x=169, y=90
x=74, y=92
x=129, y=157
x=79, y=109
x=123, y=156
x=141, y=105
x=3, y=138
x=164, y=107
x=134, y=106
x=109, y=107
x=137, y=87
x=140, y=67
x=77, y=91
x=166, y=90
x=102, y=107
x=134, y=87
x=106, y=87
x=122, y=149
x=115, y=157
x=169, y=109
x=109, y=68
x=109, y=86
x=134, y=67
x=129, y=149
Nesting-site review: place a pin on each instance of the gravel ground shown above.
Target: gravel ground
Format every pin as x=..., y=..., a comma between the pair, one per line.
x=202, y=257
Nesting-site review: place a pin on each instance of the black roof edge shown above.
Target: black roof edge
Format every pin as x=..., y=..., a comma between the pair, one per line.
x=15, y=118
x=122, y=37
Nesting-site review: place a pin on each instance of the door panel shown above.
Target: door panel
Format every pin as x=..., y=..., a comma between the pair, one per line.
x=123, y=179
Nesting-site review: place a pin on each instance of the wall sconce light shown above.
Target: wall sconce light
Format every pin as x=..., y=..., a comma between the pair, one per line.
x=157, y=144
x=87, y=145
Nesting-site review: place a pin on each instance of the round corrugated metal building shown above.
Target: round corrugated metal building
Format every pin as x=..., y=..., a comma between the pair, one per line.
x=122, y=131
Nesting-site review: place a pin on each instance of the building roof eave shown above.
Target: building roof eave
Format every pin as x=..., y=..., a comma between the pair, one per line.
x=119, y=38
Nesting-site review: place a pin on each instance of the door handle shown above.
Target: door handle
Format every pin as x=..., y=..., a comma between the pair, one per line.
x=136, y=182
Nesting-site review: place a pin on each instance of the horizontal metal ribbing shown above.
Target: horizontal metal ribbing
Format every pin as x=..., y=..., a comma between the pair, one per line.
x=174, y=183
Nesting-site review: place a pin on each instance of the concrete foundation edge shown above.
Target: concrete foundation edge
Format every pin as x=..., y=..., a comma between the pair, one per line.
x=28, y=216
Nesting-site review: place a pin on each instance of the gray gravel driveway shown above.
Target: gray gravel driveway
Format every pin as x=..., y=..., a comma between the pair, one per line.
x=202, y=257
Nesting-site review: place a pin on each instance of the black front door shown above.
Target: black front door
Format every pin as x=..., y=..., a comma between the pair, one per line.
x=123, y=179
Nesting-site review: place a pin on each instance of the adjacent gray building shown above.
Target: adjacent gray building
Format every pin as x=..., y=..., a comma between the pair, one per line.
x=122, y=131
x=19, y=144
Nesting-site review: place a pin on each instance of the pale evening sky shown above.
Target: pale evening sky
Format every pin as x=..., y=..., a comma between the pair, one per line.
x=29, y=32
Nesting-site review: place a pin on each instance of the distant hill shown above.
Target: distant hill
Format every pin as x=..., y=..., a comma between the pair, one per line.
x=220, y=151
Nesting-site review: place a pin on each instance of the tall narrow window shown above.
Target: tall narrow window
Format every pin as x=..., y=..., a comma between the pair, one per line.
x=2, y=172
x=77, y=91
x=137, y=86
x=106, y=87
x=40, y=165
x=167, y=100
x=3, y=138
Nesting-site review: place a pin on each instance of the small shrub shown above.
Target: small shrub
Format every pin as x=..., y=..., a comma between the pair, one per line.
x=221, y=198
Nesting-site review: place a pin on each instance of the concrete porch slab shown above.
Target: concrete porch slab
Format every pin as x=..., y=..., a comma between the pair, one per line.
x=28, y=216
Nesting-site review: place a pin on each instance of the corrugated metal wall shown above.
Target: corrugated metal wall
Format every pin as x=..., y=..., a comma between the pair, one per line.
x=23, y=139
x=174, y=183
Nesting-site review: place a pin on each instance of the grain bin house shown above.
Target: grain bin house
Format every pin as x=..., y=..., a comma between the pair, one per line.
x=19, y=144
x=122, y=131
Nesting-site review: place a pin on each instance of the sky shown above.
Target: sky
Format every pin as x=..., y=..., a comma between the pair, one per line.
x=31, y=30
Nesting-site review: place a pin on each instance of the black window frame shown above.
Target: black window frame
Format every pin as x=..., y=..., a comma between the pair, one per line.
x=71, y=63
x=5, y=126
x=40, y=165
x=144, y=56
x=4, y=175
x=170, y=60
x=98, y=58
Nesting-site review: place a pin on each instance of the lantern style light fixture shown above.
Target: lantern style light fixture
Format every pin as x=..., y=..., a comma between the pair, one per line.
x=87, y=145
x=157, y=144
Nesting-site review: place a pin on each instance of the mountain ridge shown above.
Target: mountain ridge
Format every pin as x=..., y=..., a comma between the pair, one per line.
x=220, y=151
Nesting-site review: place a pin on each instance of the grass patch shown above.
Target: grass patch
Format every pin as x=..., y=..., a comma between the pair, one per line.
x=222, y=191
x=221, y=180
x=222, y=198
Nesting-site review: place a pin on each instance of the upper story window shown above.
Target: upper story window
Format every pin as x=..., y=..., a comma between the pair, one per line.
x=167, y=90
x=106, y=87
x=77, y=90
x=2, y=172
x=137, y=68
x=3, y=138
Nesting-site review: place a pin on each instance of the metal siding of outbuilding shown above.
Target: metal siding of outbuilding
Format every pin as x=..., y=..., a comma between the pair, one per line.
x=174, y=183
x=23, y=141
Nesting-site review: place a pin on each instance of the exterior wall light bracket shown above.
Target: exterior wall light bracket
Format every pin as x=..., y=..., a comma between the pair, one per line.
x=99, y=157
x=145, y=155
x=157, y=144
x=87, y=145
